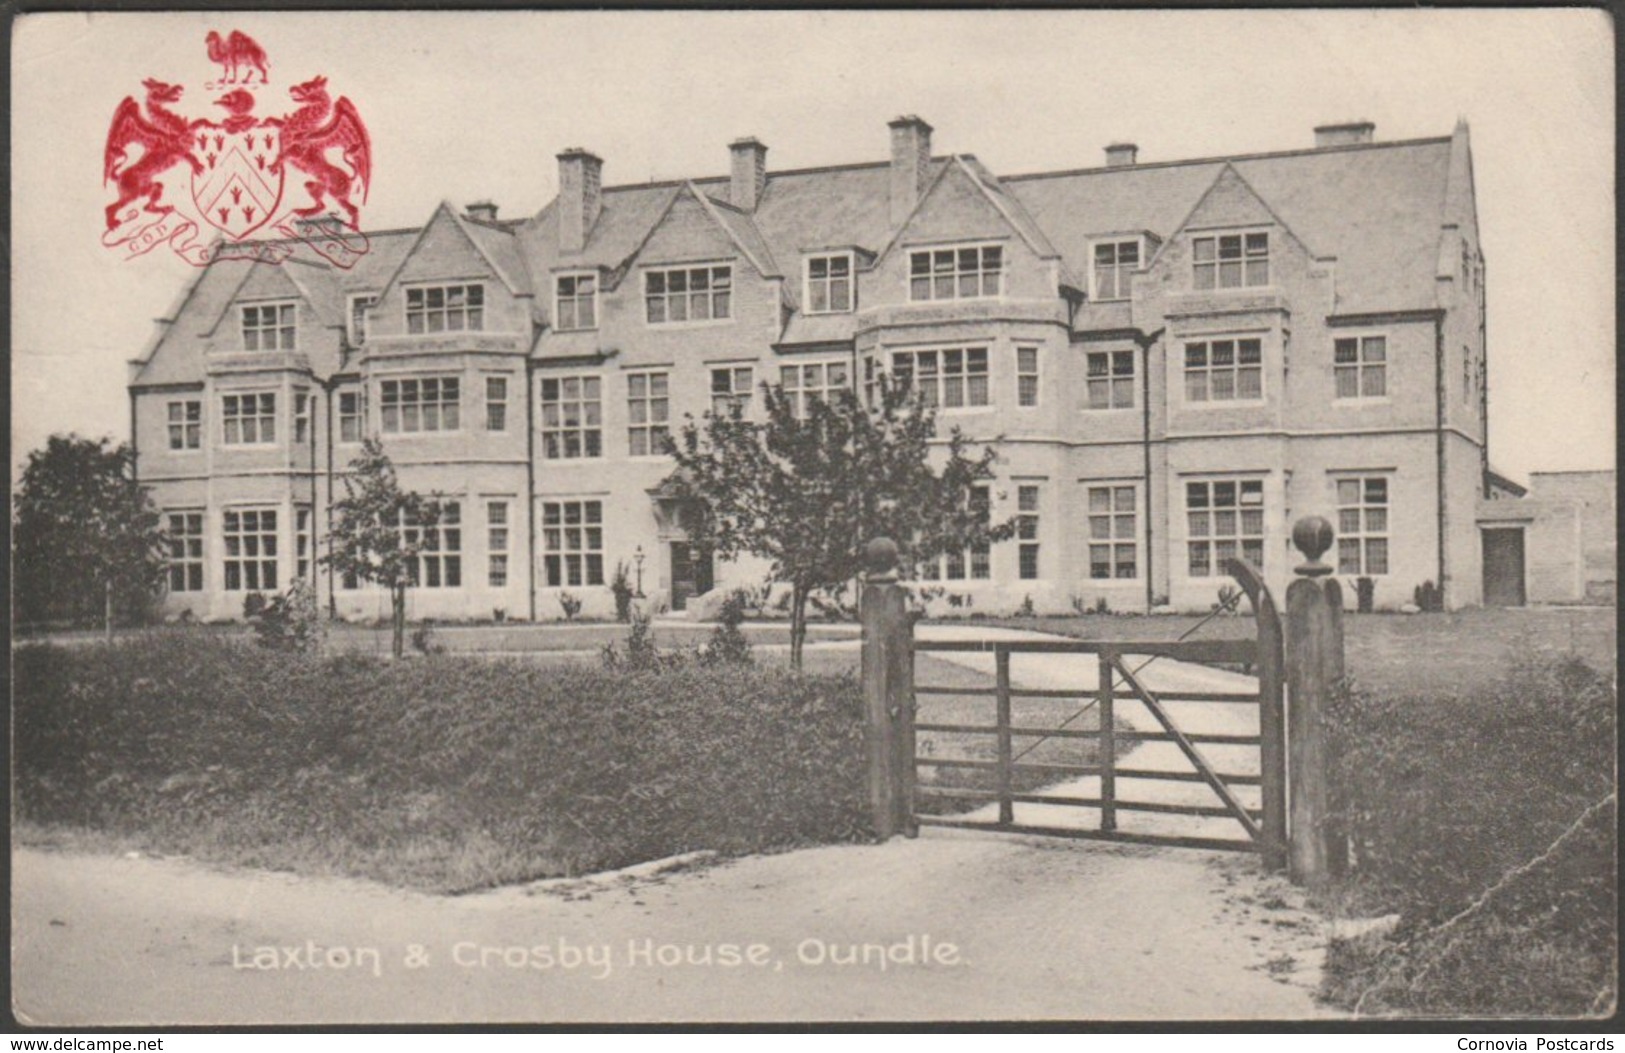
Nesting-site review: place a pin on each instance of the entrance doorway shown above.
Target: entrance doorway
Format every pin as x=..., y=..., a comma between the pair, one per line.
x=1503, y=568
x=691, y=573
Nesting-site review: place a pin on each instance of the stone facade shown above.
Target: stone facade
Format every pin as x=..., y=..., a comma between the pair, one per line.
x=1173, y=360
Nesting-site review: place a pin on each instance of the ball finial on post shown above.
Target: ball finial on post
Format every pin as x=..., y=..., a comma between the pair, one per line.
x=1312, y=535
x=880, y=560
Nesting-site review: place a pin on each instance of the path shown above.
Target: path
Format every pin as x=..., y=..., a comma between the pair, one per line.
x=1041, y=929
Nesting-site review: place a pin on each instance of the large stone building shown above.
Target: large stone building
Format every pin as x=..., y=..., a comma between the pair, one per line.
x=1174, y=361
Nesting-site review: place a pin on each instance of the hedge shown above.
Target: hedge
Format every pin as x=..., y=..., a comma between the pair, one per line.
x=444, y=772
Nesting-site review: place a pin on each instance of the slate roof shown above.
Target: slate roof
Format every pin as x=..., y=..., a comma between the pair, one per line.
x=1377, y=208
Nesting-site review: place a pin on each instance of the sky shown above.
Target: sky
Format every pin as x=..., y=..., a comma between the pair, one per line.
x=469, y=105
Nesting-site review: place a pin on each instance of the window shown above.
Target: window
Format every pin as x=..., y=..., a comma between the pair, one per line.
x=974, y=562
x=1362, y=525
x=445, y=308
x=1027, y=531
x=420, y=405
x=950, y=378
x=301, y=541
x=301, y=416
x=1225, y=517
x=1026, y=376
x=572, y=418
x=250, y=536
x=573, y=540
x=1224, y=371
x=814, y=380
x=440, y=563
x=249, y=420
x=829, y=284
x=351, y=414
x=577, y=302
x=1115, y=263
x=359, y=303
x=648, y=409
x=871, y=374
x=955, y=274
x=1360, y=364
x=688, y=294
x=496, y=546
x=1112, y=533
x=496, y=403
x=268, y=327
x=186, y=425
x=1110, y=379
x=730, y=390
x=1231, y=261
x=185, y=540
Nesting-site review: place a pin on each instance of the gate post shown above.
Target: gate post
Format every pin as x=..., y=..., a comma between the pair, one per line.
x=1271, y=710
x=1314, y=661
x=888, y=692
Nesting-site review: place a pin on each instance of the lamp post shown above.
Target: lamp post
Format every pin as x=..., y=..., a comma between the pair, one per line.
x=637, y=557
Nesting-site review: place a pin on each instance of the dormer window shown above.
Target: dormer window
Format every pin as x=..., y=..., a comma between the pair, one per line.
x=576, y=301
x=1114, y=264
x=829, y=284
x=970, y=273
x=1231, y=261
x=445, y=308
x=688, y=294
x=359, y=304
x=268, y=327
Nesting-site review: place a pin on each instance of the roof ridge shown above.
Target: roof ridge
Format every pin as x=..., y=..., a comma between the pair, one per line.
x=772, y=173
x=1223, y=158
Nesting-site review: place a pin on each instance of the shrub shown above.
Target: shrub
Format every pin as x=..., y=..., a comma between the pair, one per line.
x=291, y=621
x=621, y=585
x=1026, y=609
x=1445, y=800
x=728, y=644
x=1365, y=594
x=570, y=603
x=424, y=640
x=451, y=772
x=253, y=605
x=1229, y=598
x=1429, y=597
x=1101, y=606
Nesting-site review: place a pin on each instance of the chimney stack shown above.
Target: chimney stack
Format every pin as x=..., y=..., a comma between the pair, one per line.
x=1119, y=155
x=580, y=196
x=1352, y=133
x=748, y=173
x=910, y=164
x=484, y=211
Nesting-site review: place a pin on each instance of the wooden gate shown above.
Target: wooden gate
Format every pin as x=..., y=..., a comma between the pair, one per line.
x=1061, y=760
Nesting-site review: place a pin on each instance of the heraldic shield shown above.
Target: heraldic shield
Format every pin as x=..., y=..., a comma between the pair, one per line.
x=239, y=185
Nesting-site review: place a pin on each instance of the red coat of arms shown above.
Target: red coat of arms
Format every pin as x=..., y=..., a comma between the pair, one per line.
x=205, y=185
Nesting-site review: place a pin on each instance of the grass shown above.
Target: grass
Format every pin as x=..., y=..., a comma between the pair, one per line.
x=1422, y=655
x=446, y=773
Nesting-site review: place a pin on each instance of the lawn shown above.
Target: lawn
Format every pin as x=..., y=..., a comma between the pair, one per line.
x=1424, y=655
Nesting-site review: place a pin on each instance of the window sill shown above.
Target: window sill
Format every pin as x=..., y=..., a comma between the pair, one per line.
x=1372, y=400
x=826, y=314
x=421, y=434
x=250, y=445
x=911, y=302
x=575, y=329
x=1225, y=404
x=1107, y=409
x=705, y=323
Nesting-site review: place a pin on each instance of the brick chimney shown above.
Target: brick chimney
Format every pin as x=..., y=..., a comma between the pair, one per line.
x=1119, y=155
x=910, y=164
x=1352, y=133
x=747, y=174
x=484, y=211
x=580, y=196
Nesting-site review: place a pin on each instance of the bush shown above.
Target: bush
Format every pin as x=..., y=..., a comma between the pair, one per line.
x=621, y=586
x=291, y=621
x=1442, y=801
x=450, y=772
x=728, y=644
x=570, y=603
x=1429, y=597
x=1365, y=594
x=424, y=640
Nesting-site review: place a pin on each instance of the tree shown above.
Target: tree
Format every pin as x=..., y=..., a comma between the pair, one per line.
x=808, y=492
x=86, y=542
x=379, y=531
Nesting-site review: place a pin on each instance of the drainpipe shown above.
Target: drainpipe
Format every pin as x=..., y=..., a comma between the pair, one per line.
x=1145, y=342
x=135, y=447
x=328, y=387
x=530, y=482
x=1438, y=433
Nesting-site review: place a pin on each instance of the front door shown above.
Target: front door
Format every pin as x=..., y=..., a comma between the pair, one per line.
x=1503, y=568
x=690, y=573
